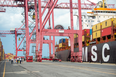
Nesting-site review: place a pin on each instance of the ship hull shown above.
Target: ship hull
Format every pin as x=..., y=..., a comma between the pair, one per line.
x=103, y=52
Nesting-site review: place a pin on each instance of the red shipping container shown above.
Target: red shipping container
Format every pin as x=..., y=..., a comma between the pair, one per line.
x=85, y=31
x=106, y=31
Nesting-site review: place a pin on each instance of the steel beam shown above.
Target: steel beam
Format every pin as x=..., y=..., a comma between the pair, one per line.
x=20, y=42
x=27, y=28
x=53, y=44
x=60, y=31
x=80, y=32
x=71, y=14
x=54, y=34
x=37, y=33
x=41, y=37
x=44, y=41
x=16, y=42
x=72, y=45
x=49, y=13
x=49, y=46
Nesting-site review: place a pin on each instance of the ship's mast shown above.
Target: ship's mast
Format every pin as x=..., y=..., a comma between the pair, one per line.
x=103, y=3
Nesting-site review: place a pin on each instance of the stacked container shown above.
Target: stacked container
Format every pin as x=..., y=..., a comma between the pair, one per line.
x=85, y=37
x=9, y=56
x=97, y=31
x=63, y=43
x=107, y=26
x=1, y=51
x=104, y=29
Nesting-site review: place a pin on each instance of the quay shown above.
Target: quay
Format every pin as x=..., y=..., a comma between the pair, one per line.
x=57, y=69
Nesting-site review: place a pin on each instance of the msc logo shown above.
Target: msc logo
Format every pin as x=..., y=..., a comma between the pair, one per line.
x=94, y=54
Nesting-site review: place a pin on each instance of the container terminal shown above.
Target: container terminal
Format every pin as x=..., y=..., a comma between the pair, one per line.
x=89, y=50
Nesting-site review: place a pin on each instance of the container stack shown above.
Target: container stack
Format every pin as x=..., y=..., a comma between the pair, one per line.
x=100, y=33
x=85, y=37
x=2, y=53
x=104, y=31
x=9, y=56
x=63, y=45
x=97, y=31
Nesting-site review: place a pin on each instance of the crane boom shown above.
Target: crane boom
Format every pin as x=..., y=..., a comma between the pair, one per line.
x=20, y=3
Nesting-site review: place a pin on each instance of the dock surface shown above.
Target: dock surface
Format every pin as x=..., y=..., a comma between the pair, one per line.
x=56, y=69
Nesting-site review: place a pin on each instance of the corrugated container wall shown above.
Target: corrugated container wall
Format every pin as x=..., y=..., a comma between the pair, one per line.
x=96, y=34
x=83, y=37
x=63, y=41
x=106, y=23
x=104, y=28
x=96, y=27
x=1, y=51
x=114, y=21
x=86, y=31
x=60, y=45
x=106, y=31
x=60, y=41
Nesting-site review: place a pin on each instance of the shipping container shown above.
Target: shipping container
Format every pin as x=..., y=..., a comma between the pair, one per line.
x=96, y=34
x=0, y=44
x=106, y=23
x=86, y=31
x=3, y=55
x=106, y=31
x=83, y=37
x=114, y=21
x=96, y=27
x=60, y=45
x=75, y=36
x=0, y=53
x=64, y=40
x=60, y=41
x=90, y=31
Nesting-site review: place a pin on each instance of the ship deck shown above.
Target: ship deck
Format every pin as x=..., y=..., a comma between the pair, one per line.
x=57, y=69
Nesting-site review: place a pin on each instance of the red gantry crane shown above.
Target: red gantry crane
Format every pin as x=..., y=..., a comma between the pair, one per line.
x=37, y=5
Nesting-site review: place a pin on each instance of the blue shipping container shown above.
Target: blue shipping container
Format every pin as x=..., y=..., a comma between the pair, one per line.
x=90, y=31
x=60, y=41
x=64, y=40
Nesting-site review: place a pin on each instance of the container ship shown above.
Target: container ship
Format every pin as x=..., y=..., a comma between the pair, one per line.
x=2, y=53
x=99, y=37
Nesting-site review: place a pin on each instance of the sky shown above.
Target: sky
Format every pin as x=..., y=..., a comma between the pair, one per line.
x=12, y=19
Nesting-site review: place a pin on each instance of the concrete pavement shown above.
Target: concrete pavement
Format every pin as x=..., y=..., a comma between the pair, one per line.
x=58, y=69
x=69, y=69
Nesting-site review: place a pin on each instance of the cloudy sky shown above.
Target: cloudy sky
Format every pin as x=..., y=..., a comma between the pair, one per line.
x=12, y=19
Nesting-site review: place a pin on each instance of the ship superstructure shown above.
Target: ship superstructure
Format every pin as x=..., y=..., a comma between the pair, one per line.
x=97, y=15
